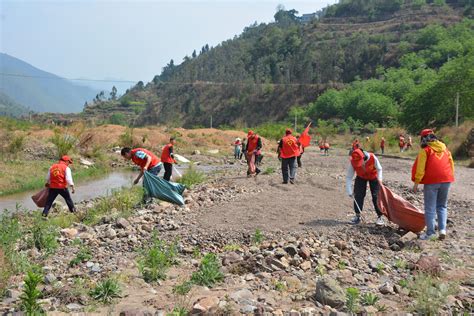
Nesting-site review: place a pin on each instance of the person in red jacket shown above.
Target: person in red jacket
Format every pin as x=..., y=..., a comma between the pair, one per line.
x=367, y=168
x=434, y=168
x=58, y=179
x=167, y=158
x=382, y=145
x=143, y=158
x=288, y=150
x=254, y=145
x=401, y=143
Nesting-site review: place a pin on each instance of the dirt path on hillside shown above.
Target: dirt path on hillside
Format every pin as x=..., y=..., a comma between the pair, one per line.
x=318, y=199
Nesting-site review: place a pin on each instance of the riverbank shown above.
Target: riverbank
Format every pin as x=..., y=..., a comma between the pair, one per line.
x=279, y=248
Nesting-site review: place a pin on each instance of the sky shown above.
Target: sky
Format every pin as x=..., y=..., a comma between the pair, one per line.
x=127, y=40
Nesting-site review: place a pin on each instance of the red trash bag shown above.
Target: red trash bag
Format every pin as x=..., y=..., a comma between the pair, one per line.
x=400, y=211
x=41, y=197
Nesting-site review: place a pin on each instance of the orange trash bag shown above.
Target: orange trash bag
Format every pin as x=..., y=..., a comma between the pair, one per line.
x=400, y=211
x=41, y=197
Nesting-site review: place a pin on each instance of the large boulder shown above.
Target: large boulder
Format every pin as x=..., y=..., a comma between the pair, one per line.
x=329, y=292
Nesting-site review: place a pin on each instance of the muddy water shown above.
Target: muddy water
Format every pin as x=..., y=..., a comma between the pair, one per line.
x=86, y=190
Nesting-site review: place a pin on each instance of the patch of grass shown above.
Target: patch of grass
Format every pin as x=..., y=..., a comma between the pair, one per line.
x=209, y=272
x=320, y=270
x=64, y=143
x=155, y=260
x=231, y=247
x=403, y=283
x=269, y=170
x=31, y=295
x=192, y=177
x=400, y=264
x=280, y=286
x=63, y=220
x=105, y=291
x=178, y=311
x=83, y=255
x=122, y=200
x=183, y=288
x=352, y=299
x=273, y=131
x=43, y=235
x=341, y=265
x=258, y=237
x=380, y=267
x=430, y=294
x=369, y=299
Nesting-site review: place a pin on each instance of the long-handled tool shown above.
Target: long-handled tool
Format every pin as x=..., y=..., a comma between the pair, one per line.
x=358, y=207
x=176, y=171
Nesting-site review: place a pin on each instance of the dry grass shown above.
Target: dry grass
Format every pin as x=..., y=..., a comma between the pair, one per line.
x=455, y=138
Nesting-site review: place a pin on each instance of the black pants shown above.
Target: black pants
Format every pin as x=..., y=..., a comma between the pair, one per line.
x=288, y=163
x=360, y=188
x=298, y=159
x=168, y=171
x=53, y=194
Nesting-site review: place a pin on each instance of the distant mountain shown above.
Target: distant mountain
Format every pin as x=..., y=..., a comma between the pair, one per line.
x=8, y=107
x=106, y=85
x=39, y=90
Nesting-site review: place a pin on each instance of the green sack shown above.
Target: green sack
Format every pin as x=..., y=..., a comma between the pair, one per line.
x=162, y=189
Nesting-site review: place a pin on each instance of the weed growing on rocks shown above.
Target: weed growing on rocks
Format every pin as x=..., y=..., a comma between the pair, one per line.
x=352, y=300
x=83, y=255
x=155, y=260
x=369, y=299
x=341, y=265
x=31, y=295
x=192, y=177
x=209, y=272
x=380, y=267
x=429, y=294
x=44, y=235
x=231, y=247
x=269, y=170
x=183, y=288
x=258, y=237
x=178, y=311
x=400, y=264
x=320, y=270
x=106, y=291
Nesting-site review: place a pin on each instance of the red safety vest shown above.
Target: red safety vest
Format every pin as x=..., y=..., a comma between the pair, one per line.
x=165, y=154
x=252, y=143
x=142, y=162
x=437, y=169
x=57, y=176
x=382, y=144
x=367, y=171
x=289, y=147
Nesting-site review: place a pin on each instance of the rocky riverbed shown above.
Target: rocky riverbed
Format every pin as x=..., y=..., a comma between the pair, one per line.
x=284, y=250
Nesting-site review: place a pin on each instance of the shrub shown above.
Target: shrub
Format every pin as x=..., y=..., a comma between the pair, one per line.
x=30, y=296
x=271, y=130
x=44, y=235
x=16, y=144
x=63, y=143
x=106, y=291
x=155, y=260
x=258, y=237
x=83, y=255
x=209, y=271
x=352, y=299
x=118, y=119
x=5, y=272
x=369, y=299
x=192, y=177
x=430, y=294
x=178, y=311
x=183, y=288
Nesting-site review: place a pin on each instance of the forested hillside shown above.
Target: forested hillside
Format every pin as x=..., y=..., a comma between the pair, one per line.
x=259, y=75
x=8, y=107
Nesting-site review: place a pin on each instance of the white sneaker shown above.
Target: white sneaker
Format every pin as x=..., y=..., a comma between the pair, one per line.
x=425, y=236
x=380, y=221
x=442, y=234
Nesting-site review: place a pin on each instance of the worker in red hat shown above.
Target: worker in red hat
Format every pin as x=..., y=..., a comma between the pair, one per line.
x=145, y=159
x=288, y=150
x=254, y=145
x=58, y=179
x=368, y=169
x=434, y=168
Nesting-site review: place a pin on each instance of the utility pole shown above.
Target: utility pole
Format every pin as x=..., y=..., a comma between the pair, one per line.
x=211, y=121
x=296, y=121
x=457, y=109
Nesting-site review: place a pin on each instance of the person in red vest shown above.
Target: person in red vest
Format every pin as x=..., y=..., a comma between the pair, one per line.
x=382, y=145
x=167, y=158
x=254, y=145
x=288, y=150
x=367, y=168
x=401, y=143
x=326, y=148
x=143, y=158
x=434, y=168
x=58, y=179
x=301, y=148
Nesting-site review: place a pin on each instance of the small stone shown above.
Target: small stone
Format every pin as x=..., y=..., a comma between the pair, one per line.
x=12, y=294
x=304, y=252
x=50, y=278
x=280, y=252
x=110, y=233
x=96, y=268
x=293, y=284
x=329, y=292
x=306, y=265
x=410, y=236
x=386, y=288
x=123, y=223
x=205, y=305
x=89, y=264
x=240, y=295
x=428, y=264
x=69, y=232
x=371, y=310
x=291, y=250
x=340, y=244
x=230, y=258
x=74, y=306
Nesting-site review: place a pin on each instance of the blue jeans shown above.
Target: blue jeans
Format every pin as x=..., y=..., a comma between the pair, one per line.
x=436, y=203
x=288, y=163
x=156, y=169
